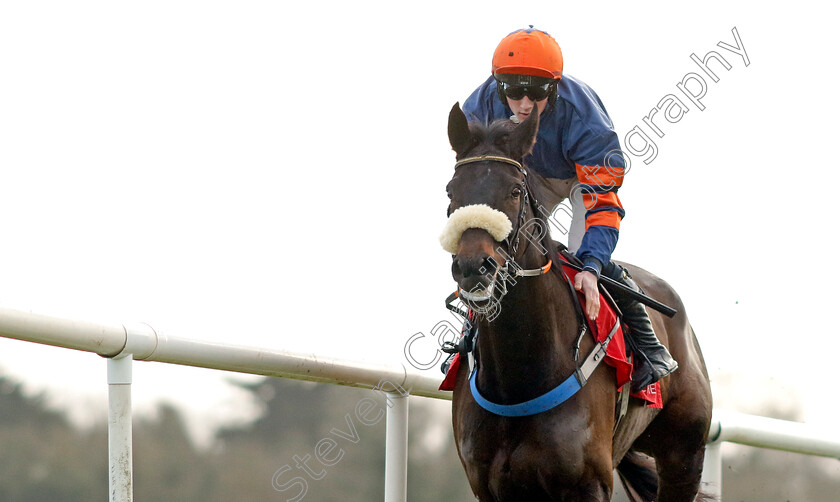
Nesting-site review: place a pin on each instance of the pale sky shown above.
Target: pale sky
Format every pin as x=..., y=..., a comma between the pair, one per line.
x=273, y=175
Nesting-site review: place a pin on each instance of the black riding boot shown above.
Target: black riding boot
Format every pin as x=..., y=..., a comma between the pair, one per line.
x=651, y=359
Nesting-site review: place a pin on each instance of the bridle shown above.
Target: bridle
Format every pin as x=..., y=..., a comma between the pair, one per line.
x=512, y=239
x=571, y=385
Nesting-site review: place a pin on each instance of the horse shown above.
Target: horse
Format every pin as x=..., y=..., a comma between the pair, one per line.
x=525, y=348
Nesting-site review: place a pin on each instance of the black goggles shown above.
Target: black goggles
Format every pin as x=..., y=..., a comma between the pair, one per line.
x=534, y=92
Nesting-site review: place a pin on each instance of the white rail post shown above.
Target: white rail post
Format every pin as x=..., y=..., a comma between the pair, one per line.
x=141, y=341
x=396, y=448
x=712, y=480
x=120, y=463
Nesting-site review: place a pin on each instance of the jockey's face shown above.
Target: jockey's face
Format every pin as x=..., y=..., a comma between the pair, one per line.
x=522, y=108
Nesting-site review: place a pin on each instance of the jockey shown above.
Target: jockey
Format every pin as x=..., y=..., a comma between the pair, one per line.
x=579, y=154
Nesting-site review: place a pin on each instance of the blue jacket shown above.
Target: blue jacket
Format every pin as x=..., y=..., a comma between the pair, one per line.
x=576, y=139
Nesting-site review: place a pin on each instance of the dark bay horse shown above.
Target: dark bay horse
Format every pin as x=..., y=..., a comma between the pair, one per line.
x=569, y=452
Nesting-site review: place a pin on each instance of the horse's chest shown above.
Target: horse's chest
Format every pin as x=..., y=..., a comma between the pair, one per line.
x=535, y=455
x=531, y=472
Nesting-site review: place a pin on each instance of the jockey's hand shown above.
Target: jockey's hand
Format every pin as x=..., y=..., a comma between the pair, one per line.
x=587, y=282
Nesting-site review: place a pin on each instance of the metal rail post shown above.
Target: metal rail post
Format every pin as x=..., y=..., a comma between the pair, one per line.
x=396, y=448
x=712, y=480
x=120, y=464
x=140, y=339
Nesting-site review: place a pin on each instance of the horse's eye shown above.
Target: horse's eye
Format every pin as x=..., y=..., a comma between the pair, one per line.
x=449, y=194
x=516, y=192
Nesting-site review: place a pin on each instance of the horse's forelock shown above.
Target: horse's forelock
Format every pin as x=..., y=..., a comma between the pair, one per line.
x=490, y=139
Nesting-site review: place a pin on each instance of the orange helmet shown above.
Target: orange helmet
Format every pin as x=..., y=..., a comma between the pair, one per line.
x=529, y=52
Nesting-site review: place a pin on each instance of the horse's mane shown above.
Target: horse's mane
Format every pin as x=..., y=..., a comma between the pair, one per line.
x=494, y=139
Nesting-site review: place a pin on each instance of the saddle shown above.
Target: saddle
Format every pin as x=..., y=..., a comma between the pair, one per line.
x=617, y=353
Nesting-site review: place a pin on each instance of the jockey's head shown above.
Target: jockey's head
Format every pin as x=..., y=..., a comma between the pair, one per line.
x=527, y=65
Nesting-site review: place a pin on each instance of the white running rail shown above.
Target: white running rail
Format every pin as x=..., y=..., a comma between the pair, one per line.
x=124, y=343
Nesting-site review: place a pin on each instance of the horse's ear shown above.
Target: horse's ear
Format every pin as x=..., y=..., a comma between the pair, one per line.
x=524, y=136
x=459, y=131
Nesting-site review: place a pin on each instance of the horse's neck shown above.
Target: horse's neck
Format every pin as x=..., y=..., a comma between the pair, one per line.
x=527, y=349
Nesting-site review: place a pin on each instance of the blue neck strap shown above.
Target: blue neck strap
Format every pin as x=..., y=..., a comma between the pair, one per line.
x=555, y=396
x=539, y=404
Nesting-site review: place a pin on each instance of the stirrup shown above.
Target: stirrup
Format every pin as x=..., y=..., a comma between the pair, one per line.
x=444, y=367
x=650, y=373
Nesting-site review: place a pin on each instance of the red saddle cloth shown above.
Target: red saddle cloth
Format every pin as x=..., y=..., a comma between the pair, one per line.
x=600, y=329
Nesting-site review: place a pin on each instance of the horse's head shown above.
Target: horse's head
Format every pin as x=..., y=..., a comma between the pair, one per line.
x=488, y=199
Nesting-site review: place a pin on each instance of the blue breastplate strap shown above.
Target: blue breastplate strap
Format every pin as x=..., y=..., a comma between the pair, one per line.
x=537, y=405
x=555, y=396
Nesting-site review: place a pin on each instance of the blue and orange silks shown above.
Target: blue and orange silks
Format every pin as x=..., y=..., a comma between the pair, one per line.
x=576, y=140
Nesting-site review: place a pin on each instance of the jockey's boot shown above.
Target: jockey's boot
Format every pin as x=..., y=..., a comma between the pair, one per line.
x=652, y=360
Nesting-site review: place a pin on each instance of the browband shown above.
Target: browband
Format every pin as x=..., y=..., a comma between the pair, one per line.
x=482, y=158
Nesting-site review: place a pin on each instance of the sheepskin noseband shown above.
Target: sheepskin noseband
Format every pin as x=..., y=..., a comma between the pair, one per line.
x=474, y=216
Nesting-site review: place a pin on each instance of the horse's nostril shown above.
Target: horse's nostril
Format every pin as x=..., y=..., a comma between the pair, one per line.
x=488, y=266
x=466, y=267
x=462, y=267
x=456, y=267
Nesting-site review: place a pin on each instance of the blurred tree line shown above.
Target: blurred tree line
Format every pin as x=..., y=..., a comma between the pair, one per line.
x=44, y=457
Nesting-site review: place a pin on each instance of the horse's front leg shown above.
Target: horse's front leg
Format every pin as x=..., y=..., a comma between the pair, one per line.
x=596, y=489
x=594, y=483
x=482, y=492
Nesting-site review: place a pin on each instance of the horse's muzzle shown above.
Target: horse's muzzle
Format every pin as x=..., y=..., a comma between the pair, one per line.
x=475, y=265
